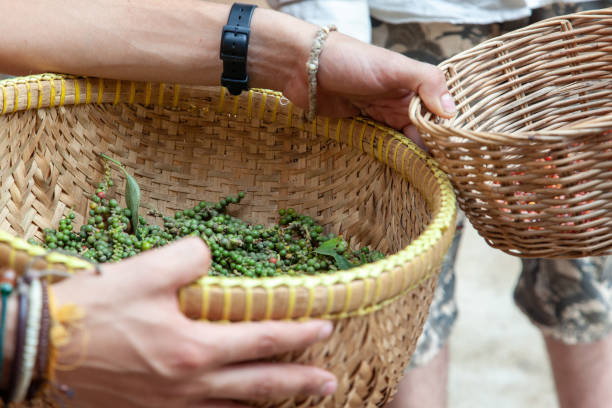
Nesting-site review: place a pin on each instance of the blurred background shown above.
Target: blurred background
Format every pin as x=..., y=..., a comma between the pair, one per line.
x=497, y=356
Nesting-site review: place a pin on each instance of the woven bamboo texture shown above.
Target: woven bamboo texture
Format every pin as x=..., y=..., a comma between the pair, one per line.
x=530, y=151
x=185, y=144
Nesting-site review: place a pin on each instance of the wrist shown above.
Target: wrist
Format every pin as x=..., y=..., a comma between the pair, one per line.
x=278, y=50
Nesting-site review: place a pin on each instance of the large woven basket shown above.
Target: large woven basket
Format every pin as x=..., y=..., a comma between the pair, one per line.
x=185, y=144
x=529, y=153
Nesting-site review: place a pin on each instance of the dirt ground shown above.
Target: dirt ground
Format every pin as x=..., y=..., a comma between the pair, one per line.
x=497, y=357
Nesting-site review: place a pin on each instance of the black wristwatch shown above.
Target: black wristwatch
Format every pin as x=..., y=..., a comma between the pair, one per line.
x=234, y=46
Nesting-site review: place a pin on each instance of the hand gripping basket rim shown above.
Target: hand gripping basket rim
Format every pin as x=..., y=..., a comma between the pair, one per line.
x=426, y=123
x=428, y=249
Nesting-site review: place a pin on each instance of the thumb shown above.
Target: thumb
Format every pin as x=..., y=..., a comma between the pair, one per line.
x=430, y=84
x=168, y=267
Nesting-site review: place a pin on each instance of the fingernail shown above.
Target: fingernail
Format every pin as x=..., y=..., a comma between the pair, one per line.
x=329, y=388
x=325, y=331
x=448, y=103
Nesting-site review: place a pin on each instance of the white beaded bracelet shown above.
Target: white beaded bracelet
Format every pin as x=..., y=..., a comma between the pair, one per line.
x=312, y=67
x=31, y=341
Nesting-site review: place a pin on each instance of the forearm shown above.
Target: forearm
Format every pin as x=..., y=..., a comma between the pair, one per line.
x=167, y=41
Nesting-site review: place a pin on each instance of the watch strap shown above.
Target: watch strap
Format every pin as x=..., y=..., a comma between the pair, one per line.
x=234, y=47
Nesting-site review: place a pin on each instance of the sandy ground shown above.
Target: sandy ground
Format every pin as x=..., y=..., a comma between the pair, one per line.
x=498, y=358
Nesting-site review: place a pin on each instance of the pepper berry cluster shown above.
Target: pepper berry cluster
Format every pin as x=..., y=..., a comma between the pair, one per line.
x=296, y=245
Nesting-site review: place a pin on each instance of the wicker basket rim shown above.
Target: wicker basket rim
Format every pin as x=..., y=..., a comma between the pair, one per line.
x=569, y=131
x=442, y=219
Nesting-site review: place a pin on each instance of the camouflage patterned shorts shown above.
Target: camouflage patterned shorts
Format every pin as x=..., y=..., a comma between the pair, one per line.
x=570, y=300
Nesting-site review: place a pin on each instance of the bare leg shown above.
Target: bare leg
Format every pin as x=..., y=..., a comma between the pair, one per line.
x=426, y=386
x=583, y=373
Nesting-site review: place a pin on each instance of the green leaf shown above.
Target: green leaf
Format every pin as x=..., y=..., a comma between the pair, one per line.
x=132, y=192
x=329, y=248
x=342, y=262
x=132, y=199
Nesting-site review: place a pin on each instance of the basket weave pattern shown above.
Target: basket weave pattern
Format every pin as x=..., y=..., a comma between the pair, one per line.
x=529, y=153
x=186, y=144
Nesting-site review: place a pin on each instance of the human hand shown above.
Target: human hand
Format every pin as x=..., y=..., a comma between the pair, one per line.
x=355, y=77
x=143, y=352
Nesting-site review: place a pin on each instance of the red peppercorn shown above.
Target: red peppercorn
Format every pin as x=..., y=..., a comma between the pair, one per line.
x=102, y=194
x=272, y=260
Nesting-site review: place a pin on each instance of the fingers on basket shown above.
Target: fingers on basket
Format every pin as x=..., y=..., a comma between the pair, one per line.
x=242, y=342
x=267, y=381
x=413, y=134
x=171, y=266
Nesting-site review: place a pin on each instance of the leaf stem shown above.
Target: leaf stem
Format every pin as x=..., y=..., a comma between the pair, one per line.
x=116, y=162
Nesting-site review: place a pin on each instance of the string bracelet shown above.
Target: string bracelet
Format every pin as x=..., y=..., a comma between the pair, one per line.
x=42, y=356
x=34, y=376
x=312, y=67
x=7, y=286
x=30, y=347
x=65, y=320
x=20, y=335
x=50, y=374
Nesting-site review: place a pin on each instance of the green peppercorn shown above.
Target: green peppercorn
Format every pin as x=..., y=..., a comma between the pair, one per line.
x=249, y=250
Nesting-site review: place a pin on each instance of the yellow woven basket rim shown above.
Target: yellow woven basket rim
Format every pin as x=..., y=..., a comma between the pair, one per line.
x=12, y=100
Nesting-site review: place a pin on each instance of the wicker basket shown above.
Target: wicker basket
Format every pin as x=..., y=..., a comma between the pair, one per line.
x=186, y=144
x=530, y=152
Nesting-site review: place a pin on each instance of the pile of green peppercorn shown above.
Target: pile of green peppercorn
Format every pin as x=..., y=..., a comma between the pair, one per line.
x=297, y=245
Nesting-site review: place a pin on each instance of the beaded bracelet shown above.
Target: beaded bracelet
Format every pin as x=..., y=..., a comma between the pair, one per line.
x=31, y=339
x=42, y=356
x=42, y=370
x=20, y=334
x=312, y=67
x=7, y=286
